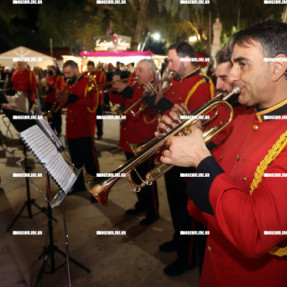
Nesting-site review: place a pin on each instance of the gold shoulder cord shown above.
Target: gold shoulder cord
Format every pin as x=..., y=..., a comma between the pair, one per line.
x=259, y=173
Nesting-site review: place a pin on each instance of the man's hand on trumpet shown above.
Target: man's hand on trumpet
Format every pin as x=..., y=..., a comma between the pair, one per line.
x=62, y=98
x=117, y=84
x=168, y=123
x=185, y=151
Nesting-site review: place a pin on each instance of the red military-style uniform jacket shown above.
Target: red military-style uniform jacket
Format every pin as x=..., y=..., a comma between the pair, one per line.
x=99, y=78
x=238, y=217
x=25, y=82
x=80, y=120
x=194, y=89
x=135, y=130
x=55, y=82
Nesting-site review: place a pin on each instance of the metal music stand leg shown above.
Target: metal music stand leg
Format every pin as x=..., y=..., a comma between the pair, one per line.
x=50, y=250
x=29, y=202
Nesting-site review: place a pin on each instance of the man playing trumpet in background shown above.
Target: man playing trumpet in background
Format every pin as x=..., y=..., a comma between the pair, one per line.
x=192, y=87
x=80, y=121
x=99, y=77
x=55, y=83
x=137, y=129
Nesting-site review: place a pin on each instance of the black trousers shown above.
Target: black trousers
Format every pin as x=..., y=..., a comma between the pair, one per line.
x=148, y=195
x=175, y=188
x=56, y=122
x=99, y=123
x=83, y=154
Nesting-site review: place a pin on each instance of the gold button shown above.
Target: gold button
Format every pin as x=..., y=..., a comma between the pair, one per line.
x=238, y=157
x=244, y=178
x=209, y=248
x=255, y=127
x=221, y=156
x=179, y=98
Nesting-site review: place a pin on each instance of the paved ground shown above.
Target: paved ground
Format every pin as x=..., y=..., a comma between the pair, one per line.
x=130, y=260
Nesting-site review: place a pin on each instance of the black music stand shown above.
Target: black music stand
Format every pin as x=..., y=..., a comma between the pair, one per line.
x=20, y=126
x=49, y=252
x=35, y=138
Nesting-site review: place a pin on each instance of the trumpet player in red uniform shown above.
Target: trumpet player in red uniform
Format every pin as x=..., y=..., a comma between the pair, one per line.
x=135, y=130
x=98, y=77
x=243, y=201
x=55, y=84
x=80, y=121
x=190, y=86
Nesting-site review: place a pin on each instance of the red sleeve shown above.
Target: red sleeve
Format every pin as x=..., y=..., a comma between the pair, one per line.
x=14, y=75
x=245, y=218
x=85, y=98
x=116, y=98
x=33, y=82
x=103, y=78
x=60, y=83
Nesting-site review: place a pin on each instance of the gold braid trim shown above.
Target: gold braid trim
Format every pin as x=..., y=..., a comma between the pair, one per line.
x=259, y=173
x=278, y=251
x=151, y=121
x=272, y=154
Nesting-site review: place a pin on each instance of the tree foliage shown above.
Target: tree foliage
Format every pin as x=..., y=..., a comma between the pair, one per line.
x=75, y=23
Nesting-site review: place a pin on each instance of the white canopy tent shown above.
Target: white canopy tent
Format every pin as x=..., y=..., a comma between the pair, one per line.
x=23, y=54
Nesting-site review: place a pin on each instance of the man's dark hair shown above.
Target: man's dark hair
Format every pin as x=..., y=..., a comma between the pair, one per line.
x=71, y=64
x=91, y=63
x=272, y=35
x=183, y=49
x=224, y=55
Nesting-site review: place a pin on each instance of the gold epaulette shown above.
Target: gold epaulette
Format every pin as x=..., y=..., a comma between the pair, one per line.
x=259, y=173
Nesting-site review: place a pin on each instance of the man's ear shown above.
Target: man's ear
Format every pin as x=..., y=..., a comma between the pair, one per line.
x=279, y=67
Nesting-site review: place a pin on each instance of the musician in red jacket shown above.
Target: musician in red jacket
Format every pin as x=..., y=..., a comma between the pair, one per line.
x=190, y=86
x=99, y=77
x=243, y=201
x=25, y=81
x=55, y=84
x=136, y=130
x=80, y=121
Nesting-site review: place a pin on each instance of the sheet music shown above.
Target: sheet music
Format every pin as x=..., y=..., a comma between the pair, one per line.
x=48, y=155
x=50, y=133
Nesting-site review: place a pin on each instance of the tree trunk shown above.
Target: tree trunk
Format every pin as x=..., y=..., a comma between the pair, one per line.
x=139, y=7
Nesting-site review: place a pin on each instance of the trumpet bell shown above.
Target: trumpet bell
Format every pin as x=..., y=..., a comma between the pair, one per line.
x=99, y=187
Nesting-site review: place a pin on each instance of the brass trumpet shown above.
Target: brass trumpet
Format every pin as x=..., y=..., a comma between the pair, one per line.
x=55, y=107
x=100, y=187
x=144, y=105
x=93, y=86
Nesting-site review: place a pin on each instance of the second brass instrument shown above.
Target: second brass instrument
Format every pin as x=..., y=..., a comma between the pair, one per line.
x=100, y=187
x=144, y=105
x=93, y=86
x=55, y=107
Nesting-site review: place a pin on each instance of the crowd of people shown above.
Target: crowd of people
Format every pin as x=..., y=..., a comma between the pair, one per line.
x=228, y=197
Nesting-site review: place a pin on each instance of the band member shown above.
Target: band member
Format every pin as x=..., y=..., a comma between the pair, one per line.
x=192, y=87
x=24, y=81
x=80, y=121
x=55, y=84
x=99, y=77
x=240, y=203
x=135, y=130
x=223, y=66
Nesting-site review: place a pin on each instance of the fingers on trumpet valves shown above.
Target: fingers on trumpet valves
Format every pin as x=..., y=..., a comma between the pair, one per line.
x=149, y=88
x=173, y=124
x=180, y=109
